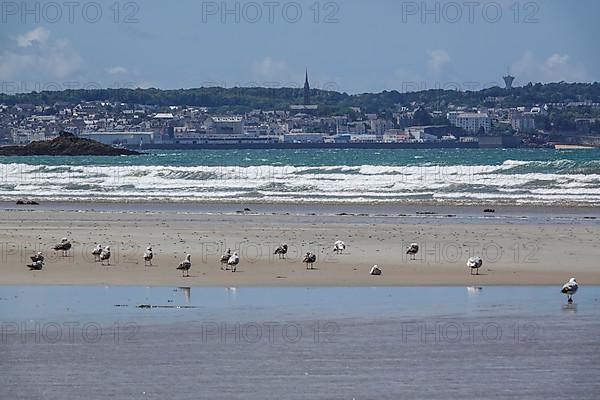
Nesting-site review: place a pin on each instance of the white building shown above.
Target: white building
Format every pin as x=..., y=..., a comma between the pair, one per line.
x=418, y=133
x=366, y=138
x=124, y=138
x=21, y=136
x=182, y=132
x=357, y=128
x=257, y=129
x=378, y=126
x=232, y=125
x=395, y=136
x=471, y=122
x=523, y=122
x=161, y=116
x=303, y=137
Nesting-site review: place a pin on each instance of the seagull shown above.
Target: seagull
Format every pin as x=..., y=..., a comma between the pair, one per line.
x=281, y=250
x=225, y=258
x=413, y=249
x=96, y=252
x=105, y=255
x=475, y=263
x=310, y=258
x=63, y=246
x=570, y=288
x=36, y=265
x=339, y=246
x=148, y=256
x=185, y=265
x=233, y=262
x=37, y=257
x=375, y=270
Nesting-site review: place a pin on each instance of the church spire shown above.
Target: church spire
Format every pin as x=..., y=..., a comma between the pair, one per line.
x=306, y=90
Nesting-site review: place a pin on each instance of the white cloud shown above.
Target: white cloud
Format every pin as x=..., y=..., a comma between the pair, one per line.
x=437, y=60
x=48, y=60
x=557, y=67
x=117, y=70
x=524, y=65
x=271, y=70
x=145, y=85
x=556, y=60
x=403, y=80
x=39, y=35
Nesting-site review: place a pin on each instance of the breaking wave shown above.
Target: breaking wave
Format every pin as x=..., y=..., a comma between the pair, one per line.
x=360, y=179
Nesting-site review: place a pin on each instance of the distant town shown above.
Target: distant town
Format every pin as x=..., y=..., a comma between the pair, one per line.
x=496, y=117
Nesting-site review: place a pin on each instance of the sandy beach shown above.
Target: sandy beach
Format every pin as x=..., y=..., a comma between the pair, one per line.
x=515, y=252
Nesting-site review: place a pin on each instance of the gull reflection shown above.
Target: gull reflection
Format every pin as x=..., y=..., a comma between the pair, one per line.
x=570, y=308
x=474, y=290
x=231, y=292
x=187, y=294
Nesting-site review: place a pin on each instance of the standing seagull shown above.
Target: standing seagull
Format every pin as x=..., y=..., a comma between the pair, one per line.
x=37, y=257
x=148, y=256
x=413, y=249
x=96, y=253
x=475, y=263
x=63, y=246
x=233, y=262
x=281, y=250
x=570, y=288
x=310, y=259
x=185, y=265
x=339, y=246
x=225, y=259
x=105, y=255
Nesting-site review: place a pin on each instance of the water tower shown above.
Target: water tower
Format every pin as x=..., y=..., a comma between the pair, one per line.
x=508, y=80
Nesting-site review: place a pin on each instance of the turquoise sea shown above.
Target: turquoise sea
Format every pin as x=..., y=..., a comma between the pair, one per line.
x=472, y=176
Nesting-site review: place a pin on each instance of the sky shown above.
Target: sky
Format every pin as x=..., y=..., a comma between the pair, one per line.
x=352, y=46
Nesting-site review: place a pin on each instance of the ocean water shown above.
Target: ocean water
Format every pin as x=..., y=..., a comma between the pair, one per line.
x=505, y=176
x=72, y=342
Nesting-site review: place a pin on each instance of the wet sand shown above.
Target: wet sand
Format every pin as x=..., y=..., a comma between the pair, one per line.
x=515, y=250
x=326, y=343
x=174, y=362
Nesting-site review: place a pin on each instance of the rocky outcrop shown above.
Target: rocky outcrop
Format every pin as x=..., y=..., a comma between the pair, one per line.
x=65, y=145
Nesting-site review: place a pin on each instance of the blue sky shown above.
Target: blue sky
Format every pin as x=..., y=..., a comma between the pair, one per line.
x=351, y=45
